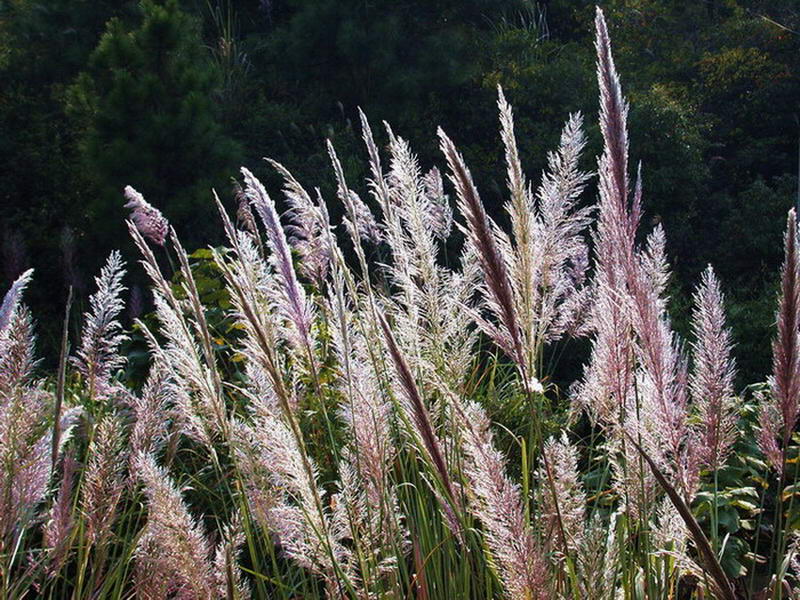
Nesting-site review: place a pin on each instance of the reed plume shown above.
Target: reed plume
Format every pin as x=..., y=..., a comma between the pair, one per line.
x=481, y=234
x=98, y=356
x=498, y=503
x=58, y=527
x=103, y=480
x=173, y=548
x=360, y=222
x=714, y=371
x=367, y=504
x=294, y=304
x=779, y=413
x=423, y=427
x=309, y=228
x=25, y=437
x=561, y=474
x=150, y=407
x=187, y=349
x=12, y=298
x=148, y=219
x=317, y=502
x=17, y=351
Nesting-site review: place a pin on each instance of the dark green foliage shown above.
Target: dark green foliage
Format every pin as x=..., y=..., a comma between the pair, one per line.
x=146, y=107
x=43, y=45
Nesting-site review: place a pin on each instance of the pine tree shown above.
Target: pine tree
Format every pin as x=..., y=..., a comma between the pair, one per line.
x=146, y=104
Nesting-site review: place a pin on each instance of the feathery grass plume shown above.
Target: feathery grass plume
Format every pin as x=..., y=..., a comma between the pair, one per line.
x=197, y=393
x=779, y=416
x=60, y=521
x=173, y=545
x=377, y=183
x=17, y=353
x=657, y=347
x=521, y=202
x=643, y=275
x=573, y=319
x=430, y=323
x=631, y=324
x=613, y=167
x=367, y=501
x=546, y=244
x=561, y=226
x=607, y=386
x=12, y=298
x=150, y=409
x=597, y=558
x=248, y=280
x=660, y=413
x=148, y=220
x=366, y=411
x=103, y=480
x=669, y=538
x=669, y=533
x=304, y=527
x=245, y=277
x=480, y=230
x=719, y=578
x=631, y=479
x=711, y=381
x=170, y=312
x=150, y=265
x=374, y=530
x=152, y=577
x=294, y=305
x=413, y=236
x=661, y=381
x=637, y=376
x=424, y=210
x=498, y=504
x=25, y=435
x=420, y=418
x=440, y=214
x=561, y=473
x=98, y=356
x=195, y=375
x=360, y=222
x=25, y=456
x=190, y=413
x=198, y=320
x=606, y=390
x=456, y=329
x=227, y=574
x=248, y=454
x=530, y=282
x=282, y=480
x=244, y=212
x=309, y=228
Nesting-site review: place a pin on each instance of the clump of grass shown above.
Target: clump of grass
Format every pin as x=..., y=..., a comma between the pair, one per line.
x=330, y=440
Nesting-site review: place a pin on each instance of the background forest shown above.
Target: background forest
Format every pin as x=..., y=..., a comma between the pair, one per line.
x=171, y=97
